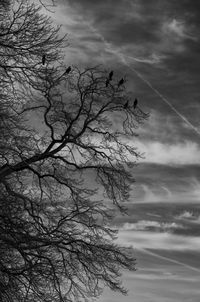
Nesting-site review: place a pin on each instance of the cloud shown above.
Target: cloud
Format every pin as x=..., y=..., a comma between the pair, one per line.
x=176, y=34
x=179, y=29
x=186, y=153
x=164, y=125
x=143, y=225
x=152, y=240
x=190, y=216
x=176, y=27
x=166, y=182
x=186, y=214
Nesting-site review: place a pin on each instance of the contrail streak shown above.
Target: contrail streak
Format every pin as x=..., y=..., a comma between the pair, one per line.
x=122, y=58
x=172, y=260
x=161, y=96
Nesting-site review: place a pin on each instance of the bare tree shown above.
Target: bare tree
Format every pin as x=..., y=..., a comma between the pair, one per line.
x=60, y=148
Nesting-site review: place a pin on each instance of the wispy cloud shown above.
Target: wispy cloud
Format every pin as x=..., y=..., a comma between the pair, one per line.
x=186, y=153
x=145, y=225
x=166, y=182
x=190, y=216
x=156, y=241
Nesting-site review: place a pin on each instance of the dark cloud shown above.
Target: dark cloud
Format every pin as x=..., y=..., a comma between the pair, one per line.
x=181, y=172
x=116, y=23
x=133, y=32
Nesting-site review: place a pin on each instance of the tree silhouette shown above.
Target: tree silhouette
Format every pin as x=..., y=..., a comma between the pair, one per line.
x=60, y=149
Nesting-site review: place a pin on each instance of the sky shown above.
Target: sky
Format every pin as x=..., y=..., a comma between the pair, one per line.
x=155, y=44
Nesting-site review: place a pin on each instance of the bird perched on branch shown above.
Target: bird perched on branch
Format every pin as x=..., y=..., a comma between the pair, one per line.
x=68, y=70
x=135, y=103
x=121, y=82
x=43, y=59
x=126, y=105
x=110, y=75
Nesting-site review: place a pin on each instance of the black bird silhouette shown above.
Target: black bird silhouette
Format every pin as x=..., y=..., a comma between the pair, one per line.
x=68, y=70
x=110, y=75
x=43, y=59
x=126, y=105
x=135, y=103
x=107, y=82
x=121, y=82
